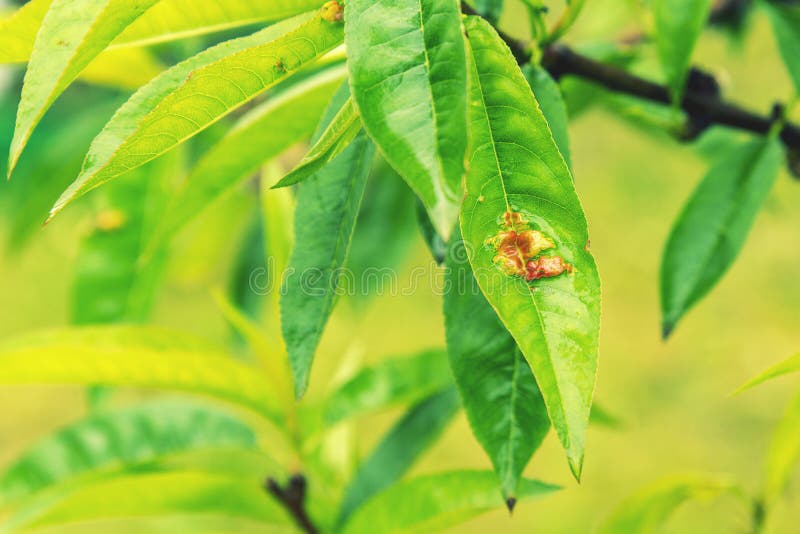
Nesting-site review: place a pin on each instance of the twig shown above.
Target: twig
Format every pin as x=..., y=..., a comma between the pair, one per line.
x=293, y=497
x=560, y=60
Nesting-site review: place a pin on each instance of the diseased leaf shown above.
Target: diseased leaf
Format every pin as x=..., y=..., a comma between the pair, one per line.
x=393, y=381
x=526, y=238
x=72, y=33
x=784, y=451
x=646, y=511
x=713, y=225
x=503, y=403
x=789, y=365
x=167, y=20
x=548, y=95
x=399, y=449
x=104, y=444
x=408, y=76
x=785, y=19
x=198, y=92
x=134, y=356
x=435, y=502
x=259, y=136
x=678, y=25
x=334, y=139
x=112, y=283
x=160, y=495
x=330, y=201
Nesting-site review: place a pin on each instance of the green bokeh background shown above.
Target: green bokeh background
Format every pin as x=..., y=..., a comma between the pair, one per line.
x=673, y=399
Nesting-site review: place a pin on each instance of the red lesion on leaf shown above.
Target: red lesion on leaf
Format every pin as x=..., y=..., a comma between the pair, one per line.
x=519, y=247
x=332, y=11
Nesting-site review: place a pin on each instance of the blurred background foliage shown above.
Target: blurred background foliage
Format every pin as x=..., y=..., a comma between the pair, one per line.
x=673, y=400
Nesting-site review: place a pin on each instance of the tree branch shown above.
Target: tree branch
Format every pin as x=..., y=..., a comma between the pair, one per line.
x=701, y=105
x=293, y=497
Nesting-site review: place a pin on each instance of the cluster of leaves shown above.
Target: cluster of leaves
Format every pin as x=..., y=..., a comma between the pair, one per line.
x=425, y=102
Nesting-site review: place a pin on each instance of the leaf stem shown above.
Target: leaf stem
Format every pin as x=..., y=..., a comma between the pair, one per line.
x=293, y=498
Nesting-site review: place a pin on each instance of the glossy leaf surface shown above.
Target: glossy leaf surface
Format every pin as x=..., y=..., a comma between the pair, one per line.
x=330, y=202
x=678, y=25
x=713, y=226
x=72, y=33
x=146, y=357
x=520, y=185
x=388, y=383
x=198, y=92
x=115, y=440
x=435, y=502
x=408, y=76
x=399, y=449
x=503, y=403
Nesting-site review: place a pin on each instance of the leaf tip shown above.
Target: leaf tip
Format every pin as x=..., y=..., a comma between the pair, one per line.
x=666, y=330
x=511, y=502
x=576, y=466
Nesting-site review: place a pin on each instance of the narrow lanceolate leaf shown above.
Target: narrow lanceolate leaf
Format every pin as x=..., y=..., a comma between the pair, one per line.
x=391, y=382
x=257, y=137
x=787, y=366
x=432, y=503
x=338, y=135
x=198, y=92
x=73, y=33
x=329, y=202
x=548, y=95
x=167, y=20
x=409, y=77
x=162, y=495
x=114, y=440
x=399, y=449
x=18, y=31
x=503, y=404
x=678, y=25
x=112, y=283
x=784, y=451
x=146, y=357
x=713, y=226
x=647, y=511
x=785, y=19
x=526, y=238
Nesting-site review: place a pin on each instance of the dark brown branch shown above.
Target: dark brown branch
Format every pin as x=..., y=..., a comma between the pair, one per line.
x=293, y=497
x=706, y=106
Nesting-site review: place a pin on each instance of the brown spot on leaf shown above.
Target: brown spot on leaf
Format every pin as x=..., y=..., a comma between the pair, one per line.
x=332, y=12
x=546, y=267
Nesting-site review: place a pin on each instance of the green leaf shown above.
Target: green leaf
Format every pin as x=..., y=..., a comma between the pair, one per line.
x=259, y=136
x=646, y=511
x=73, y=33
x=789, y=365
x=489, y=9
x=161, y=495
x=336, y=137
x=198, y=92
x=432, y=503
x=713, y=225
x=167, y=20
x=548, y=95
x=112, y=281
x=503, y=403
x=409, y=78
x=399, y=449
x=111, y=441
x=785, y=19
x=388, y=383
x=678, y=24
x=328, y=205
x=518, y=182
x=18, y=31
x=436, y=245
x=134, y=356
x=784, y=451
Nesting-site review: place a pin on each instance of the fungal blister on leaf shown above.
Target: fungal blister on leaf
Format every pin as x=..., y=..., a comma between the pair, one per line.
x=332, y=11
x=519, y=250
